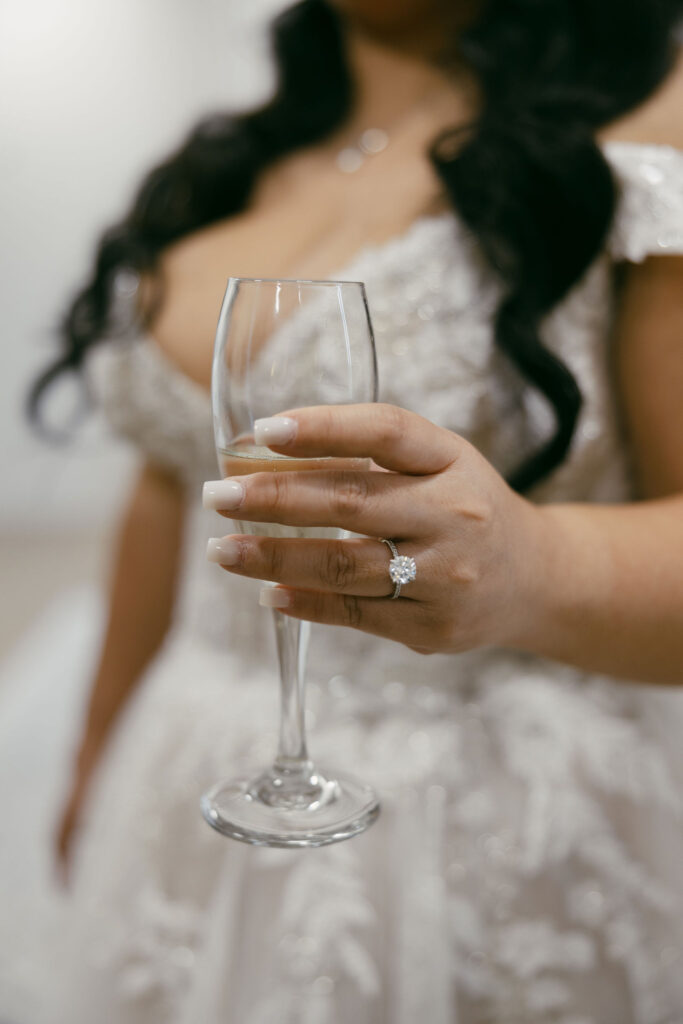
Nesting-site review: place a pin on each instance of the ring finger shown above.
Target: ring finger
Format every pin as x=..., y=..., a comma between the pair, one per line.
x=357, y=566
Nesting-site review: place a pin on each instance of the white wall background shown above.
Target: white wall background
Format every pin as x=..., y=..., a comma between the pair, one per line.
x=93, y=93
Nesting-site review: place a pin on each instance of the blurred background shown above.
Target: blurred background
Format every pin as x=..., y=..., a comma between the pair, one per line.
x=94, y=94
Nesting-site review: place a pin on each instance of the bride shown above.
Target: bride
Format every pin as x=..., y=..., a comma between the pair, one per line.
x=514, y=204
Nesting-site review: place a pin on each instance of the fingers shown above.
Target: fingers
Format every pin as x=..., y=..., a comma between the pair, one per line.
x=395, y=438
x=68, y=826
x=356, y=566
x=63, y=843
x=378, y=504
x=401, y=620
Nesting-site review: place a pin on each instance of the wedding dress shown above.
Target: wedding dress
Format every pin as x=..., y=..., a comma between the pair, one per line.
x=527, y=866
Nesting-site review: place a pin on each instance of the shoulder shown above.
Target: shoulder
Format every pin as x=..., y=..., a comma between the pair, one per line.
x=658, y=121
x=645, y=152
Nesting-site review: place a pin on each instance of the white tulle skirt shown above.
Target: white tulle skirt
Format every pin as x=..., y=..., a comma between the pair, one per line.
x=526, y=867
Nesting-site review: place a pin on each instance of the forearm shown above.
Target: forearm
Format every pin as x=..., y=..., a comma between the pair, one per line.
x=606, y=589
x=141, y=600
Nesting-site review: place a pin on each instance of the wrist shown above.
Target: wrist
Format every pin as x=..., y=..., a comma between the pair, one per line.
x=565, y=571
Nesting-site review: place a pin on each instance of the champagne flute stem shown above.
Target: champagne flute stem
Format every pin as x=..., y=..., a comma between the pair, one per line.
x=292, y=648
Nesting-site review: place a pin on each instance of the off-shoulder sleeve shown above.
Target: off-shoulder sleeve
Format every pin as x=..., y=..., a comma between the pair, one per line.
x=649, y=214
x=151, y=404
x=143, y=397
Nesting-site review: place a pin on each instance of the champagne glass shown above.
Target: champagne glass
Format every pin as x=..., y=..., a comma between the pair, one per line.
x=283, y=344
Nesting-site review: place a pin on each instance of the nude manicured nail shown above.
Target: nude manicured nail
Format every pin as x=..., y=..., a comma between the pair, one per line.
x=273, y=597
x=224, y=550
x=274, y=430
x=222, y=495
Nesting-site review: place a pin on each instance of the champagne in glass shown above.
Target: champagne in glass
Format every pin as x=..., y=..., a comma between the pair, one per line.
x=244, y=457
x=282, y=345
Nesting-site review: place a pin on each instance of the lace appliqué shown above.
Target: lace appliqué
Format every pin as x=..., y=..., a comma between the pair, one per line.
x=323, y=917
x=158, y=956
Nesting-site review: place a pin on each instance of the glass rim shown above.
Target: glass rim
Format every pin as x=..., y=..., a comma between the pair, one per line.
x=293, y=280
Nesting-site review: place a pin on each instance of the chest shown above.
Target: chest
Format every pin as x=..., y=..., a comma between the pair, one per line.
x=307, y=219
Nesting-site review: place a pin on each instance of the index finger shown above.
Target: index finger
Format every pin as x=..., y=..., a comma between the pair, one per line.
x=394, y=438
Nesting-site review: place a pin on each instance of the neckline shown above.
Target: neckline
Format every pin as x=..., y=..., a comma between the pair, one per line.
x=146, y=340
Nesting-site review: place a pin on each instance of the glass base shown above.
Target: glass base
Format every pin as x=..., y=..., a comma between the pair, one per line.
x=290, y=806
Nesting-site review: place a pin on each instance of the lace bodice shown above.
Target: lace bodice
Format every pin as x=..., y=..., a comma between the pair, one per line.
x=431, y=298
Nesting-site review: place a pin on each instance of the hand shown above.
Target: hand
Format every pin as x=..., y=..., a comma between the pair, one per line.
x=476, y=542
x=67, y=827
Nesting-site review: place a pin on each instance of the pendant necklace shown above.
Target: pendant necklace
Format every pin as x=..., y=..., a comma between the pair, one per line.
x=370, y=142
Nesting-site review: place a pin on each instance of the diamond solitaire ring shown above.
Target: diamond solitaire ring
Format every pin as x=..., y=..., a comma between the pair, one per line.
x=402, y=568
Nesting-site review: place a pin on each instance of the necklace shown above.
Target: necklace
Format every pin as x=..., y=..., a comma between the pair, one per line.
x=370, y=142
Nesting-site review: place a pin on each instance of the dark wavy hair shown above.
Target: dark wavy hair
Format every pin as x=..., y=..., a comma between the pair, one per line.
x=527, y=177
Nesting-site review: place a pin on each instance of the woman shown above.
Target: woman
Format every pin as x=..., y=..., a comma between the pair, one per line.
x=526, y=864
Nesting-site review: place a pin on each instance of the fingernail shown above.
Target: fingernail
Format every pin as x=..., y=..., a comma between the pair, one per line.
x=222, y=495
x=224, y=550
x=273, y=597
x=274, y=430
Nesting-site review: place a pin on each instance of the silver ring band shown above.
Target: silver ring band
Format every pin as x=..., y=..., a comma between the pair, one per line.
x=402, y=568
